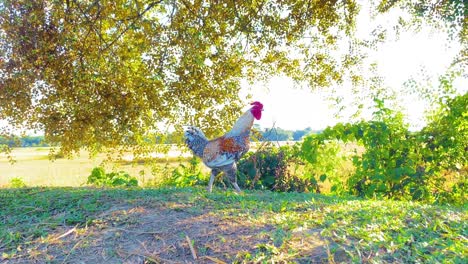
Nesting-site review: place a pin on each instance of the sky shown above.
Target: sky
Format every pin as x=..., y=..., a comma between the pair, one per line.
x=398, y=60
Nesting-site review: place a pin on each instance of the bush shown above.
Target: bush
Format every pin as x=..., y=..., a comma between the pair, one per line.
x=400, y=164
x=188, y=175
x=332, y=165
x=17, y=182
x=160, y=172
x=98, y=177
x=271, y=168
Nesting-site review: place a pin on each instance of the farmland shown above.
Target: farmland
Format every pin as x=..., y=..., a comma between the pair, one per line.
x=35, y=168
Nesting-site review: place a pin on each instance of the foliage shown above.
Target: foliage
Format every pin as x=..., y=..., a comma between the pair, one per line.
x=99, y=177
x=445, y=140
x=332, y=165
x=98, y=75
x=450, y=14
x=292, y=226
x=17, y=182
x=271, y=168
x=187, y=175
x=160, y=171
x=397, y=163
x=446, y=135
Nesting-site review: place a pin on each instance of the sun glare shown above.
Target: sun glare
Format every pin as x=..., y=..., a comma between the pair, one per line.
x=421, y=56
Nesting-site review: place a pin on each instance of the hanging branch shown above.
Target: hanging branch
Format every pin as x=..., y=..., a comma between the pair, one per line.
x=135, y=18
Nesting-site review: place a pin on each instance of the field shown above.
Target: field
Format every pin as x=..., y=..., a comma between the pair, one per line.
x=79, y=224
x=35, y=168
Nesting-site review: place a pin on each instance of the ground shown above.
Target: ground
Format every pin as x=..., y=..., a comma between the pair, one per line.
x=158, y=234
x=152, y=230
x=91, y=225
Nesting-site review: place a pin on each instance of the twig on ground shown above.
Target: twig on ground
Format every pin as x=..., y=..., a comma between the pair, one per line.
x=137, y=232
x=194, y=254
x=66, y=233
x=215, y=260
x=71, y=250
x=330, y=256
x=152, y=258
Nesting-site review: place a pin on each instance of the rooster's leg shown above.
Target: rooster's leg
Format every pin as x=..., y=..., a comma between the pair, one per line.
x=214, y=172
x=231, y=172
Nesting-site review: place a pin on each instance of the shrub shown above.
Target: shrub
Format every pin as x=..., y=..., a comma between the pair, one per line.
x=160, y=172
x=188, y=175
x=400, y=164
x=390, y=164
x=332, y=165
x=98, y=177
x=272, y=168
x=17, y=182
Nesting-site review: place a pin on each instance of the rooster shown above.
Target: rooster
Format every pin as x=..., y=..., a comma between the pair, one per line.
x=221, y=154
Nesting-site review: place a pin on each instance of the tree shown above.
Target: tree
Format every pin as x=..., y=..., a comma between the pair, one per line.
x=451, y=14
x=298, y=134
x=276, y=134
x=98, y=74
x=108, y=73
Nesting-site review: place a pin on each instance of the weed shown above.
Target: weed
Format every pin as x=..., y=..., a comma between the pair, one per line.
x=17, y=182
x=98, y=177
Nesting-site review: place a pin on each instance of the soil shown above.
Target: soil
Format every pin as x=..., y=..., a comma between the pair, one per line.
x=152, y=233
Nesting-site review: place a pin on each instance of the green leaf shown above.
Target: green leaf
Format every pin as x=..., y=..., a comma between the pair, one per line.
x=323, y=177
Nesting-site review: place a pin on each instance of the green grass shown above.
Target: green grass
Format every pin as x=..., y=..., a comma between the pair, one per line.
x=273, y=226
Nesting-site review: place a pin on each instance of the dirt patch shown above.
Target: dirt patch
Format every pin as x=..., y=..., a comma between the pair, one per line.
x=160, y=234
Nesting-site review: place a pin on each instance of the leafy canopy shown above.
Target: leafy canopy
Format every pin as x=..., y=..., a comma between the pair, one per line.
x=95, y=74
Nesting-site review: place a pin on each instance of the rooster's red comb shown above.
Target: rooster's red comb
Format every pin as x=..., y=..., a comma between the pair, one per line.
x=257, y=103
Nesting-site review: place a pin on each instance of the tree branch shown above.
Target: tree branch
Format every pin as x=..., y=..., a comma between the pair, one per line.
x=138, y=16
x=91, y=23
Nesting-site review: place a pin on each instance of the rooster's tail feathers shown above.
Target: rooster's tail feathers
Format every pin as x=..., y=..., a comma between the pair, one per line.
x=195, y=139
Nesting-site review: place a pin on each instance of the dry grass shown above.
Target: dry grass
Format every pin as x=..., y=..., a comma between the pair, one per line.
x=34, y=167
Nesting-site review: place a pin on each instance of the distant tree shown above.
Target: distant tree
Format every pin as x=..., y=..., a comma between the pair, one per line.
x=8, y=141
x=33, y=141
x=276, y=134
x=298, y=134
x=26, y=141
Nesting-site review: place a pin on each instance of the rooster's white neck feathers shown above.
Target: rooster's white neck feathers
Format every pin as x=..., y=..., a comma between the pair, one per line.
x=243, y=124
